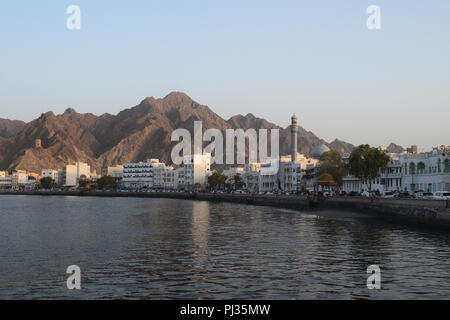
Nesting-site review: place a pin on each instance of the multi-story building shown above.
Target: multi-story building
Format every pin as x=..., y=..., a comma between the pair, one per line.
x=163, y=177
x=290, y=175
x=410, y=171
x=50, y=173
x=170, y=179
x=139, y=175
x=251, y=176
x=179, y=178
x=5, y=180
x=390, y=179
x=19, y=179
x=113, y=171
x=269, y=176
x=197, y=169
x=428, y=172
x=72, y=173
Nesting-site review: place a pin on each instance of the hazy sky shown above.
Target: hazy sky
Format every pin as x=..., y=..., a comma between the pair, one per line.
x=270, y=58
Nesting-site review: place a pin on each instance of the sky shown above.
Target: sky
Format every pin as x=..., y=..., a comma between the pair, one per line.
x=316, y=59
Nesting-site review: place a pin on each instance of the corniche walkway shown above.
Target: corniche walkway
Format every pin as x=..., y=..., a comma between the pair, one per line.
x=423, y=212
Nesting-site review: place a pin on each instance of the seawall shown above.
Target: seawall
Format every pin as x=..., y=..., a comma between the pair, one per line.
x=423, y=212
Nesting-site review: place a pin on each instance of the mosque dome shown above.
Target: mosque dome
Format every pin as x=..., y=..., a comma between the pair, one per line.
x=317, y=152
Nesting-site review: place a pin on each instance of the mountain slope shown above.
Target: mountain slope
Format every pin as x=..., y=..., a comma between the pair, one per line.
x=134, y=134
x=9, y=128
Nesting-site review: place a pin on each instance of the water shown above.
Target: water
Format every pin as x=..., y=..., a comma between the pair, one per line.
x=165, y=249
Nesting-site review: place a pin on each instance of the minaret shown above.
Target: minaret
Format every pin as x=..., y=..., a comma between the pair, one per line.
x=294, y=131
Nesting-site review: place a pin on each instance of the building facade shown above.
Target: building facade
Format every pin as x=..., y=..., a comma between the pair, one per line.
x=72, y=173
x=139, y=175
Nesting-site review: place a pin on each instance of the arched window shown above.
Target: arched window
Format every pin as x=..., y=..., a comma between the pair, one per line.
x=412, y=168
x=446, y=165
x=421, y=167
x=439, y=164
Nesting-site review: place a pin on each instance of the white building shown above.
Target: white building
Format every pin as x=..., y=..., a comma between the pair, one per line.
x=113, y=171
x=269, y=176
x=72, y=173
x=429, y=172
x=139, y=175
x=390, y=179
x=290, y=175
x=178, y=177
x=5, y=180
x=197, y=169
x=19, y=179
x=50, y=173
x=251, y=176
x=281, y=177
x=163, y=177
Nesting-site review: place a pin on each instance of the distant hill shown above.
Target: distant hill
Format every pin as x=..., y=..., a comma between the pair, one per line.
x=395, y=148
x=9, y=128
x=134, y=134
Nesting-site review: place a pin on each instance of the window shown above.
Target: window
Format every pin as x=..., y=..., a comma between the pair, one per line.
x=412, y=168
x=421, y=167
x=447, y=165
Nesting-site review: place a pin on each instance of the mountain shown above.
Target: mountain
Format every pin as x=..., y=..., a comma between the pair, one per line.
x=306, y=139
x=341, y=146
x=9, y=128
x=395, y=148
x=134, y=134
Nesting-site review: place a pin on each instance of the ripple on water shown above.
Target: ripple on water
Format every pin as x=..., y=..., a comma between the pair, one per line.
x=166, y=249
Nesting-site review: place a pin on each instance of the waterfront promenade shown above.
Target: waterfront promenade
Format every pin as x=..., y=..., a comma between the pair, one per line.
x=424, y=212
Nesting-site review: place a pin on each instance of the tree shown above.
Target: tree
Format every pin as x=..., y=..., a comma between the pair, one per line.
x=216, y=180
x=197, y=185
x=365, y=163
x=106, y=182
x=47, y=183
x=238, y=182
x=84, y=183
x=331, y=163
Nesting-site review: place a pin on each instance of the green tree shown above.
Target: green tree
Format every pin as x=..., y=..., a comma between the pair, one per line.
x=238, y=182
x=106, y=182
x=331, y=163
x=47, y=183
x=84, y=183
x=216, y=180
x=365, y=163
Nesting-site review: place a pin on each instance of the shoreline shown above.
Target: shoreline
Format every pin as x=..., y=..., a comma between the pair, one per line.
x=422, y=212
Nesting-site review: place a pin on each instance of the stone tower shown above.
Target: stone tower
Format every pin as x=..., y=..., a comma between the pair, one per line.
x=294, y=133
x=38, y=143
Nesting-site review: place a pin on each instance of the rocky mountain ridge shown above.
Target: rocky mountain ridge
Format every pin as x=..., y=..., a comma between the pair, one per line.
x=134, y=134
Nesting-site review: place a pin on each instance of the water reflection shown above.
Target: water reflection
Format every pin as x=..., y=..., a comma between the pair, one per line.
x=200, y=231
x=150, y=248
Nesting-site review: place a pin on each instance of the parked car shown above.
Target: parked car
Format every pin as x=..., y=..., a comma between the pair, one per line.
x=405, y=195
x=441, y=195
x=425, y=195
x=388, y=195
x=354, y=194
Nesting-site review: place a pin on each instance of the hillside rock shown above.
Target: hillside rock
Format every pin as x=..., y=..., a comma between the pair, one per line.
x=134, y=134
